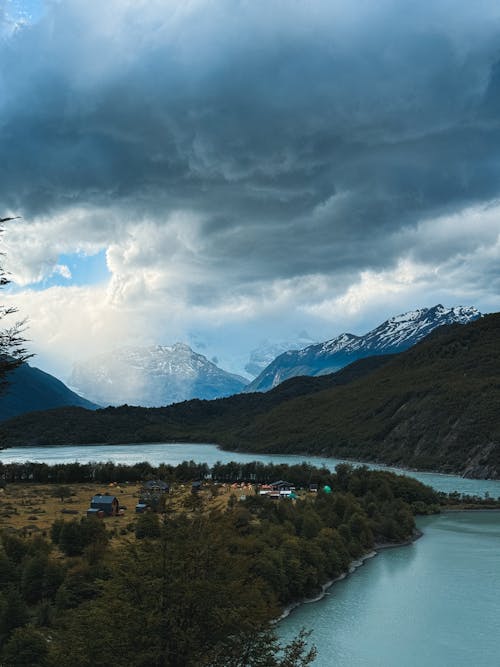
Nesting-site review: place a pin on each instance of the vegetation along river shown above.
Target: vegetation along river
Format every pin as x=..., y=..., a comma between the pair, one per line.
x=435, y=603
x=203, y=453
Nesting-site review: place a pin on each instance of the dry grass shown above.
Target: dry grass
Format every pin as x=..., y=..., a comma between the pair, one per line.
x=32, y=508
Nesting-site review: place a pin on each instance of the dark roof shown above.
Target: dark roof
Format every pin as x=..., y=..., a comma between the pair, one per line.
x=156, y=484
x=281, y=482
x=104, y=499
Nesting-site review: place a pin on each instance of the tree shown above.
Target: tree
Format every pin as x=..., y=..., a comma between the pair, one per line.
x=62, y=492
x=186, y=599
x=12, y=341
x=25, y=648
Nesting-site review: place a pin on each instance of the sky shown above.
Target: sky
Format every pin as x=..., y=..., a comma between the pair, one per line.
x=224, y=172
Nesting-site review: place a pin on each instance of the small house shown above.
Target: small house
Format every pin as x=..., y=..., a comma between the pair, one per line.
x=107, y=504
x=195, y=487
x=281, y=489
x=155, y=486
x=140, y=508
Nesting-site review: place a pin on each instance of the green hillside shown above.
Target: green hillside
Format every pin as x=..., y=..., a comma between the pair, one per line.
x=435, y=406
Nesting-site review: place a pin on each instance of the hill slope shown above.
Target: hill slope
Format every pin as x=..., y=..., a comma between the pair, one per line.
x=194, y=420
x=394, y=335
x=434, y=406
x=30, y=389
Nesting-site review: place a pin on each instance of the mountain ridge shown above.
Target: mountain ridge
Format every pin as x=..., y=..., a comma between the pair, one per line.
x=29, y=388
x=432, y=407
x=394, y=335
x=153, y=376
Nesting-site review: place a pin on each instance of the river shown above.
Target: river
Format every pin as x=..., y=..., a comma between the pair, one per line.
x=435, y=603
x=204, y=453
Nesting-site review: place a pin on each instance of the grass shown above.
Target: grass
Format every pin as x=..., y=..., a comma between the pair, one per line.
x=33, y=508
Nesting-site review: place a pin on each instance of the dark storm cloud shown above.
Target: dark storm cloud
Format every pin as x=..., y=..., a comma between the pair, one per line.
x=306, y=136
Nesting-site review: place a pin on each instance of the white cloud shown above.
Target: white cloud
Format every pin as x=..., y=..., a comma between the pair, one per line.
x=249, y=168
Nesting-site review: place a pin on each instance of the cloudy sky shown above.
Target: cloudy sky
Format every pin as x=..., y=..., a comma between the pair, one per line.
x=227, y=171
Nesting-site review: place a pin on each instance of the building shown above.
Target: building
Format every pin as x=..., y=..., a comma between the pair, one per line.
x=107, y=504
x=196, y=487
x=281, y=489
x=155, y=486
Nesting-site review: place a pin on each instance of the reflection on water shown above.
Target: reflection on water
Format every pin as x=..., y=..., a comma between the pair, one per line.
x=435, y=603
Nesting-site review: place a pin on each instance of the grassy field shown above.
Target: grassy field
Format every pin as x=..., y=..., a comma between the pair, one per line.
x=32, y=508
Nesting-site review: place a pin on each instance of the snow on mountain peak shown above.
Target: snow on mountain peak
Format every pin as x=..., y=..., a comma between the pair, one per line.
x=396, y=334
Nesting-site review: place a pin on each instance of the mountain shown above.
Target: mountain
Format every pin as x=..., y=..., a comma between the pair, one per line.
x=268, y=350
x=434, y=407
x=29, y=388
x=193, y=421
x=395, y=335
x=153, y=376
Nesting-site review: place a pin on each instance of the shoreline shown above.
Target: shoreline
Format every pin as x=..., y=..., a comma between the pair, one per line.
x=390, y=467
x=353, y=566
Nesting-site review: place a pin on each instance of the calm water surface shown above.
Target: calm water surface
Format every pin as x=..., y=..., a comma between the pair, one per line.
x=204, y=453
x=435, y=603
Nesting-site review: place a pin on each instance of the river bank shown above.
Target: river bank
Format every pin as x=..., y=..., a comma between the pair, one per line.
x=436, y=603
x=353, y=566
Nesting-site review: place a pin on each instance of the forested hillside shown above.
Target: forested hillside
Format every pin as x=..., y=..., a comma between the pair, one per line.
x=197, y=585
x=434, y=406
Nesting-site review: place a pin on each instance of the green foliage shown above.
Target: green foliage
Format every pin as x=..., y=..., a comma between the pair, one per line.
x=73, y=537
x=62, y=492
x=12, y=350
x=13, y=611
x=148, y=526
x=434, y=406
x=26, y=648
x=199, y=588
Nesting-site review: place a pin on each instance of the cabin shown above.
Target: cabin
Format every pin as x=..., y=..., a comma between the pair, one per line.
x=140, y=508
x=107, y=504
x=281, y=489
x=195, y=487
x=156, y=486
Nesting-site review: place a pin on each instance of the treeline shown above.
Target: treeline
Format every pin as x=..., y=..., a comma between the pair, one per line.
x=345, y=478
x=199, y=587
x=432, y=407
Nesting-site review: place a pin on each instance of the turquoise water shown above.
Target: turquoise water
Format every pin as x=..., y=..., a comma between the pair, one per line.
x=435, y=603
x=176, y=453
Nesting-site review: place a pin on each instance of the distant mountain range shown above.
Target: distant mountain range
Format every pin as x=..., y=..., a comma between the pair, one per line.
x=395, y=335
x=152, y=377
x=434, y=406
x=268, y=350
x=29, y=388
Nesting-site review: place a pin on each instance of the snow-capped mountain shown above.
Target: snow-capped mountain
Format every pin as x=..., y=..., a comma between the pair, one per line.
x=268, y=350
x=152, y=376
x=395, y=335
